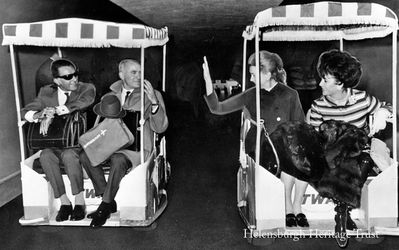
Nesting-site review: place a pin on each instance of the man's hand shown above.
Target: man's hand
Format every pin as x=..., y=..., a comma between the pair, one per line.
x=45, y=124
x=49, y=112
x=46, y=112
x=149, y=91
x=38, y=115
x=46, y=117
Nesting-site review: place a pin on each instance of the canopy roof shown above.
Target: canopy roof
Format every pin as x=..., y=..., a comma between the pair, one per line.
x=78, y=32
x=323, y=21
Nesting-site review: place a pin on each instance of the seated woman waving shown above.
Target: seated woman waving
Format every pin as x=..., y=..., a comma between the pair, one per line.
x=279, y=104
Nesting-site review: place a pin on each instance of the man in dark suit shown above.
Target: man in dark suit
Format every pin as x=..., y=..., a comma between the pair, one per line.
x=127, y=90
x=66, y=95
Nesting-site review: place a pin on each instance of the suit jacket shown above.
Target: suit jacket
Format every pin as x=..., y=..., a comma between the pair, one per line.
x=79, y=99
x=157, y=122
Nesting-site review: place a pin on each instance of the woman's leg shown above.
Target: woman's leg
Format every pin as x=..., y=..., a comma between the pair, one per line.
x=288, y=182
x=300, y=189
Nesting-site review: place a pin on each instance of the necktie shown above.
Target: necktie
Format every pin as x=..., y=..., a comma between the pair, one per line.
x=127, y=95
x=67, y=97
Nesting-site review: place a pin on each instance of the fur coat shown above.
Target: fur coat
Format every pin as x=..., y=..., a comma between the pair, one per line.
x=331, y=159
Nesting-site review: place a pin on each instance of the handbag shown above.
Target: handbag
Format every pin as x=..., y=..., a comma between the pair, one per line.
x=104, y=139
x=63, y=132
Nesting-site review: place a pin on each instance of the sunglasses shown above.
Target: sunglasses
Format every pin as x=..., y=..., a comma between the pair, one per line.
x=69, y=76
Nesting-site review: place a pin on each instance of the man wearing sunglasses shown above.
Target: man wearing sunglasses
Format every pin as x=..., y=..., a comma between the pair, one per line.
x=64, y=96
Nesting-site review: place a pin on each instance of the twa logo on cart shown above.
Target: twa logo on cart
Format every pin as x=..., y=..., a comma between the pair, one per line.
x=316, y=206
x=315, y=199
x=90, y=193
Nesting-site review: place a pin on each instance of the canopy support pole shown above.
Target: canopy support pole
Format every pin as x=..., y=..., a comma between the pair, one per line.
x=163, y=145
x=341, y=44
x=394, y=94
x=258, y=125
x=244, y=65
x=244, y=71
x=164, y=69
x=142, y=107
x=17, y=103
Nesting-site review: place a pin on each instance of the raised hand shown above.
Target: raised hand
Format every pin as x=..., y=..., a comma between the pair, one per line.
x=207, y=77
x=149, y=91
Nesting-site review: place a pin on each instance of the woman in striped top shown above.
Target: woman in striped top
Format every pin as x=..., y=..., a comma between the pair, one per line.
x=340, y=72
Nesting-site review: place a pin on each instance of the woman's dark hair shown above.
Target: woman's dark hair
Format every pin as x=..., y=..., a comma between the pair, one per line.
x=55, y=65
x=342, y=65
x=273, y=62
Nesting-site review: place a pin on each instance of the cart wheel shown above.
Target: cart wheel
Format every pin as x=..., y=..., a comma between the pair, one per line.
x=371, y=241
x=261, y=241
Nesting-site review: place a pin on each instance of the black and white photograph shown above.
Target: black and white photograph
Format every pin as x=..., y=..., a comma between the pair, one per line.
x=209, y=124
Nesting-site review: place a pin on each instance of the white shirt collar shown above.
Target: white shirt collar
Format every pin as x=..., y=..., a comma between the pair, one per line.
x=269, y=89
x=61, y=96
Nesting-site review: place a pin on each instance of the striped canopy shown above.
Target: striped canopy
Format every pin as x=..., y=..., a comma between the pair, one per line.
x=323, y=21
x=77, y=32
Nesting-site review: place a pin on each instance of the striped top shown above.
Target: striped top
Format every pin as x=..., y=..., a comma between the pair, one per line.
x=356, y=111
x=323, y=21
x=80, y=32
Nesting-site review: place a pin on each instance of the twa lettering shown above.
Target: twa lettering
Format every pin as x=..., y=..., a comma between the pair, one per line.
x=315, y=199
x=90, y=193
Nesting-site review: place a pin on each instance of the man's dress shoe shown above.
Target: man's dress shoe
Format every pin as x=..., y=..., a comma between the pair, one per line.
x=113, y=208
x=101, y=215
x=78, y=213
x=63, y=214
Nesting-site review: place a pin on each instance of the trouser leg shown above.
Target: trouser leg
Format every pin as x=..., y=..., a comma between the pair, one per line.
x=96, y=174
x=70, y=159
x=51, y=167
x=119, y=165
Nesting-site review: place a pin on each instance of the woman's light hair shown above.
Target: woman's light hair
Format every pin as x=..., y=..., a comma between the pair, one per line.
x=270, y=62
